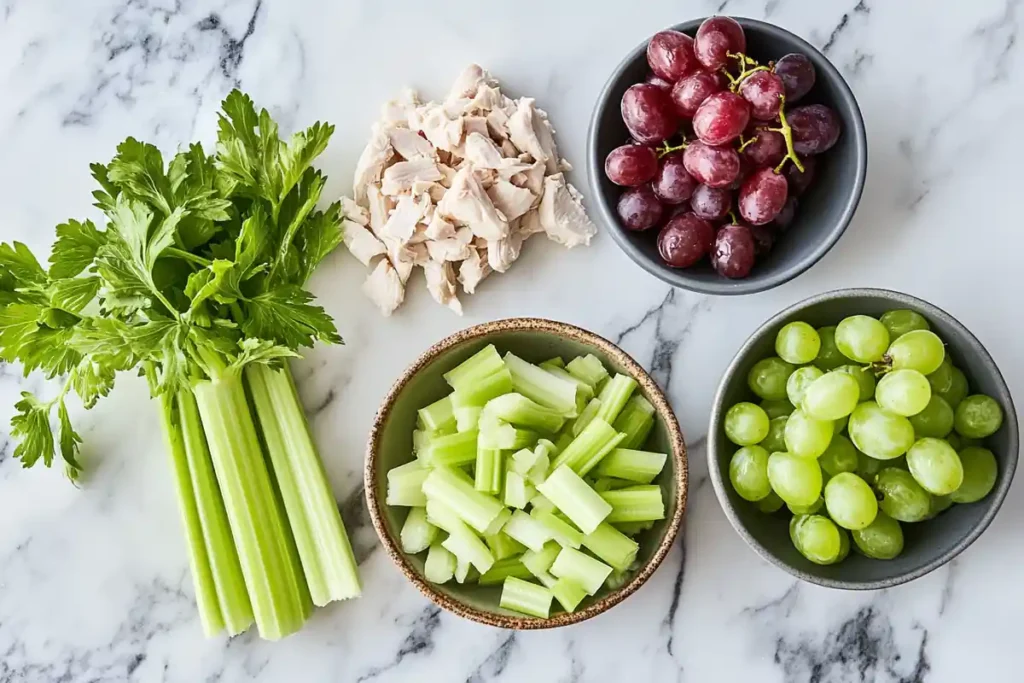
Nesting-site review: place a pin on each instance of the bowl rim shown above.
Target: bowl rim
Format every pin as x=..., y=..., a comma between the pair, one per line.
x=725, y=287
x=996, y=497
x=563, y=330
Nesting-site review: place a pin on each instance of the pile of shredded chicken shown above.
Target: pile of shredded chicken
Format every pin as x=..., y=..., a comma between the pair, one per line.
x=457, y=187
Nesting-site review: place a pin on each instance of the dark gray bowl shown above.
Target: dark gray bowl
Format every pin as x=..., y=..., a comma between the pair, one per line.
x=825, y=209
x=927, y=545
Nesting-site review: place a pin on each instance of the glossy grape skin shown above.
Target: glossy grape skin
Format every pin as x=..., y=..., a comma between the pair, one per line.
x=807, y=437
x=770, y=504
x=797, y=74
x=797, y=480
x=942, y=379
x=879, y=433
x=868, y=467
x=920, y=350
x=631, y=165
x=690, y=91
x=817, y=538
x=746, y=424
x=797, y=343
x=864, y=378
x=850, y=501
x=980, y=473
x=815, y=128
x=880, y=540
x=958, y=391
x=762, y=196
x=712, y=203
x=768, y=377
x=685, y=240
x=831, y=397
x=672, y=183
x=745, y=170
x=734, y=252
x=711, y=166
x=748, y=472
x=768, y=148
x=808, y=509
x=764, y=239
x=840, y=456
x=785, y=218
x=763, y=90
x=721, y=118
x=904, y=392
x=639, y=208
x=978, y=416
x=862, y=338
x=936, y=420
x=829, y=357
x=776, y=408
x=775, y=440
x=901, y=321
x=670, y=55
x=902, y=498
x=799, y=180
x=716, y=38
x=798, y=382
x=648, y=113
x=655, y=79
x=940, y=504
x=935, y=466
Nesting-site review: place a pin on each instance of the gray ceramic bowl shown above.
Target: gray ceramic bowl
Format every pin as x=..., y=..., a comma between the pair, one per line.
x=927, y=545
x=824, y=211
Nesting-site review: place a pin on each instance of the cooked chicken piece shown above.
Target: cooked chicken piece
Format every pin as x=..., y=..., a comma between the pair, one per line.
x=467, y=203
x=441, y=284
x=564, y=166
x=475, y=124
x=448, y=174
x=546, y=135
x=420, y=235
x=454, y=248
x=442, y=131
x=401, y=176
x=353, y=212
x=403, y=260
x=482, y=152
x=486, y=176
x=421, y=187
x=456, y=108
x=502, y=253
x=378, y=210
x=439, y=228
x=384, y=287
x=473, y=270
x=497, y=124
x=530, y=132
x=529, y=224
x=486, y=99
x=468, y=82
x=361, y=242
x=508, y=149
x=410, y=145
x=531, y=177
x=397, y=111
x=510, y=200
x=371, y=163
x=401, y=224
x=562, y=214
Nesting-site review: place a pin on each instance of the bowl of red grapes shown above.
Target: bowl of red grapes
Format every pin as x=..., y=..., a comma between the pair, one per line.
x=727, y=155
x=861, y=439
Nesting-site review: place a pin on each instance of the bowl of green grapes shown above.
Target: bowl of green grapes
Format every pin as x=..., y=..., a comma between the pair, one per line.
x=861, y=439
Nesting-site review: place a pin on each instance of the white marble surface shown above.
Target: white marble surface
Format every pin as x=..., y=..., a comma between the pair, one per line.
x=93, y=581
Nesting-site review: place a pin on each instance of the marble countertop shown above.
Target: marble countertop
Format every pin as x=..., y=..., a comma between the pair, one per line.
x=93, y=581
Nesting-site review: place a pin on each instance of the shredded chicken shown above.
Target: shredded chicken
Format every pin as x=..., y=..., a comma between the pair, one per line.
x=353, y=212
x=530, y=132
x=399, y=178
x=473, y=270
x=371, y=163
x=562, y=214
x=384, y=288
x=361, y=242
x=441, y=284
x=468, y=204
x=410, y=145
x=401, y=224
x=510, y=200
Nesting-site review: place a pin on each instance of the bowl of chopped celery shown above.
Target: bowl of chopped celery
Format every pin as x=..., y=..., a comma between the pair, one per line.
x=526, y=474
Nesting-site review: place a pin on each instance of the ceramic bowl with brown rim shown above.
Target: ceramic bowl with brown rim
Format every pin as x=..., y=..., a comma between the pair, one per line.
x=535, y=340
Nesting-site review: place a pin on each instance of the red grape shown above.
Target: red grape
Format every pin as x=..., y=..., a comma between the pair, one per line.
x=733, y=254
x=797, y=74
x=721, y=118
x=762, y=196
x=712, y=203
x=815, y=128
x=673, y=184
x=745, y=169
x=685, y=239
x=639, y=208
x=767, y=149
x=785, y=217
x=648, y=114
x=670, y=55
x=764, y=91
x=764, y=239
x=800, y=181
x=655, y=79
x=712, y=166
x=716, y=37
x=631, y=165
x=690, y=92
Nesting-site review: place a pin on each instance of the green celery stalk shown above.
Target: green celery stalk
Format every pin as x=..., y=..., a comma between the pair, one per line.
x=617, y=580
x=405, y=485
x=556, y=362
x=480, y=392
x=503, y=546
x=520, y=411
x=614, y=396
x=583, y=389
x=586, y=416
x=589, y=369
x=468, y=547
x=575, y=499
x=532, y=465
x=420, y=441
x=635, y=504
x=568, y=593
x=517, y=491
x=440, y=564
x=541, y=386
x=528, y=531
x=467, y=417
x=539, y=502
x=473, y=507
x=635, y=421
x=539, y=561
x=452, y=450
x=561, y=531
x=633, y=528
x=610, y=484
x=637, y=466
x=438, y=415
x=612, y=546
x=564, y=439
x=489, y=470
x=417, y=533
x=528, y=598
x=580, y=568
x=481, y=364
x=596, y=458
x=594, y=437
x=462, y=570
x=502, y=569
x=500, y=435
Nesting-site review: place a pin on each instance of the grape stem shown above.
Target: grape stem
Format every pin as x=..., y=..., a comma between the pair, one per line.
x=665, y=149
x=746, y=143
x=732, y=215
x=787, y=133
x=744, y=61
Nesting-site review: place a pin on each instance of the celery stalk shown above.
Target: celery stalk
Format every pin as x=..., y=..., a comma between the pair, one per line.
x=540, y=561
x=565, y=534
x=528, y=598
x=462, y=570
x=503, y=546
x=612, y=546
x=594, y=437
x=420, y=441
x=520, y=411
x=468, y=547
x=633, y=528
x=589, y=369
x=417, y=533
x=568, y=593
x=635, y=504
x=500, y=435
x=595, y=458
x=481, y=391
x=502, y=569
x=438, y=415
x=466, y=417
x=564, y=439
x=610, y=484
x=490, y=471
x=539, y=502
x=541, y=386
x=575, y=499
x=452, y=450
x=440, y=564
x=517, y=491
x=637, y=466
x=527, y=531
x=580, y=568
x=498, y=524
x=636, y=421
x=473, y=507
x=405, y=486
x=481, y=364
x=586, y=416
x=614, y=396
x=583, y=389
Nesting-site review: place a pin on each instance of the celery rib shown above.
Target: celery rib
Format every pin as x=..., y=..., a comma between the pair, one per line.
x=528, y=598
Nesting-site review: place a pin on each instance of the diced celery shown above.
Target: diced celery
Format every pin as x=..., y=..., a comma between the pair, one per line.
x=540, y=561
x=595, y=437
x=541, y=386
x=468, y=547
x=502, y=569
x=614, y=396
x=588, y=414
x=483, y=390
x=635, y=421
x=405, y=484
x=452, y=450
x=442, y=516
x=610, y=484
x=490, y=471
x=638, y=466
x=527, y=531
x=612, y=546
x=528, y=598
x=413, y=468
x=438, y=415
x=467, y=418
x=589, y=369
x=481, y=364
x=475, y=508
x=575, y=499
x=520, y=411
x=581, y=568
x=597, y=457
x=440, y=564
x=522, y=460
x=540, y=502
x=564, y=533
x=500, y=435
x=462, y=569
x=635, y=504
x=499, y=522
x=563, y=441
x=503, y=546
x=583, y=389
x=545, y=447
x=417, y=533
x=568, y=593
x=633, y=528
x=420, y=441
x=517, y=491
x=616, y=580
x=556, y=362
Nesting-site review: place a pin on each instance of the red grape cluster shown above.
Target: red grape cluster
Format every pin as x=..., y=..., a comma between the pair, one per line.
x=711, y=138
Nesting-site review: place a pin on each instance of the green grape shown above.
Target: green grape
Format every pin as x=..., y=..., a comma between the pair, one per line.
x=831, y=397
x=978, y=416
x=862, y=338
x=771, y=503
x=840, y=456
x=840, y=424
x=748, y=472
x=746, y=424
x=935, y=466
x=865, y=380
x=776, y=439
x=768, y=378
x=807, y=509
x=798, y=382
x=829, y=357
x=903, y=498
x=807, y=437
x=777, y=408
x=936, y=420
x=797, y=343
x=940, y=504
x=816, y=537
x=880, y=540
x=958, y=391
x=844, y=546
x=980, y=472
x=920, y=350
x=942, y=379
x=960, y=442
x=868, y=467
x=797, y=480
x=899, y=463
x=879, y=433
x=901, y=321
x=904, y=392
x=850, y=501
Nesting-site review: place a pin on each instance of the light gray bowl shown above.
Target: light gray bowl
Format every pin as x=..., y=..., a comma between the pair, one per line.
x=927, y=545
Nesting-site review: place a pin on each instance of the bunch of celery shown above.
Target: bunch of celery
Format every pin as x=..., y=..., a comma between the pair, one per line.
x=197, y=282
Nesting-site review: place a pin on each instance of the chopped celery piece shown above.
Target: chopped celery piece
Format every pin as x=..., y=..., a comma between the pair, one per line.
x=533, y=465
x=462, y=570
x=527, y=531
x=616, y=580
x=545, y=447
x=583, y=390
x=589, y=369
x=635, y=504
x=575, y=499
x=438, y=415
x=481, y=364
x=564, y=439
x=452, y=450
x=633, y=528
x=467, y=418
x=499, y=522
x=568, y=593
x=581, y=568
x=556, y=362
x=517, y=491
x=502, y=569
x=413, y=468
x=480, y=392
x=498, y=434
x=420, y=441
x=597, y=457
x=440, y=564
x=614, y=396
x=564, y=533
x=405, y=484
x=635, y=421
x=541, y=386
x=588, y=414
x=539, y=502
x=540, y=561
x=522, y=460
x=638, y=466
x=468, y=547
x=503, y=546
x=610, y=484
x=612, y=546
x=442, y=516
x=581, y=451
x=417, y=533
x=489, y=470
x=528, y=598
x=520, y=411
x=456, y=492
